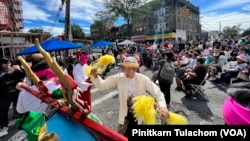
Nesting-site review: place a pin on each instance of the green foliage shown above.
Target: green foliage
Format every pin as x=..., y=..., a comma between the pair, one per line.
x=100, y=27
x=123, y=8
x=231, y=31
x=246, y=32
x=77, y=31
x=105, y=16
x=36, y=30
x=146, y=14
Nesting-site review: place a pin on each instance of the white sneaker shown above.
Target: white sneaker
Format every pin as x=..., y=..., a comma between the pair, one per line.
x=3, y=131
x=212, y=79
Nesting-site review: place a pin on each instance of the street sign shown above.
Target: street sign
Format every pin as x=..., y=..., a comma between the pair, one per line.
x=61, y=21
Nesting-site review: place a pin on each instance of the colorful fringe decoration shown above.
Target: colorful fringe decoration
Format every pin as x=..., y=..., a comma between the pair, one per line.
x=176, y=119
x=101, y=64
x=144, y=107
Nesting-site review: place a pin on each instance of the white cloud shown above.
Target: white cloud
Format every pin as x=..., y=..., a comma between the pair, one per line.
x=212, y=22
x=85, y=10
x=33, y=12
x=221, y=4
x=86, y=29
x=246, y=7
x=55, y=31
x=82, y=11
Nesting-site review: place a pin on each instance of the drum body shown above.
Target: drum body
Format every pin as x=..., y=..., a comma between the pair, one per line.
x=67, y=129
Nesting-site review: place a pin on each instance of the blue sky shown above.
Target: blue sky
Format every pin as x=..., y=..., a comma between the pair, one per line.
x=42, y=14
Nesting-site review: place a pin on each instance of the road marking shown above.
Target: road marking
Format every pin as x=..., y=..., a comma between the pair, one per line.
x=105, y=97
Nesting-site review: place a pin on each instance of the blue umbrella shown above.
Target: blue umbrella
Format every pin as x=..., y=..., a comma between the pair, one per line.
x=51, y=45
x=101, y=43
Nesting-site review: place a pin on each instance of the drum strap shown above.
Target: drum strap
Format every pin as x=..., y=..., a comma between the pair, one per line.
x=50, y=111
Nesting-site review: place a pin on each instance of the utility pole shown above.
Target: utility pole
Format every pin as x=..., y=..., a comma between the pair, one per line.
x=67, y=28
x=67, y=31
x=220, y=32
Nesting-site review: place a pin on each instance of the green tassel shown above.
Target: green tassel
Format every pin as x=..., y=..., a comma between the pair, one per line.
x=31, y=123
x=57, y=94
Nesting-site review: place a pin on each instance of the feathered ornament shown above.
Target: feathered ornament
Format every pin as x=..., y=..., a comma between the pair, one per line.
x=101, y=64
x=144, y=107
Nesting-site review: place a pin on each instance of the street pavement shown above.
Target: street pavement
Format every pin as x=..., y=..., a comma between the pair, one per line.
x=199, y=112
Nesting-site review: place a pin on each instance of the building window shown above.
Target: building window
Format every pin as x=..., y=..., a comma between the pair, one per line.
x=161, y=12
x=156, y=27
x=166, y=25
x=166, y=11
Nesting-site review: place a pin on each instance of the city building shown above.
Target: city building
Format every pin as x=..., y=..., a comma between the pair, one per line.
x=13, y=42
x=11, y=18
x=175, y=19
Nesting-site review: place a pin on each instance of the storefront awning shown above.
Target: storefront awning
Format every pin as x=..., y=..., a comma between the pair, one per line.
x=137, y=38
x=161, y=36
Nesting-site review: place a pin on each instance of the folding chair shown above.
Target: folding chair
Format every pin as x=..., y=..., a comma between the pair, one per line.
x=197, y=89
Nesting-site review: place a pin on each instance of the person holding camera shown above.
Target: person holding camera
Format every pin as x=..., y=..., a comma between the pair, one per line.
x=10, y=75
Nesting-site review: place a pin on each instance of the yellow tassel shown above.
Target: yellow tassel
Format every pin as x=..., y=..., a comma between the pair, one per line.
x=100, y=64
x=42, y=131
x=106, y=59
x=144, y=107
x=176, y=119
x=88, y=70
x=50, y=137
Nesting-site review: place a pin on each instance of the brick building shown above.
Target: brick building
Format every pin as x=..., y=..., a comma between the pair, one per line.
x=11, y=18
x=171, y=16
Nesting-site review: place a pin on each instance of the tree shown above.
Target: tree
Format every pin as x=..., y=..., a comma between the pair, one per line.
x=96, y=29
x=77, y=31
x=123, y=8
x=246, y=32
x=36, y=30
x=103, y=21
x=231, y=31
x=145, y=14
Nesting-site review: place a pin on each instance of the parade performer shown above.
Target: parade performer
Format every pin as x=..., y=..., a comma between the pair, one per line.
x=71, y=112
x=33, y=107
x=236, y=108
x=79, y=72
x=129, y=84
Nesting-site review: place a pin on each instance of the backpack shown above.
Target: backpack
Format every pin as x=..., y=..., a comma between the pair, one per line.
x=167, y=72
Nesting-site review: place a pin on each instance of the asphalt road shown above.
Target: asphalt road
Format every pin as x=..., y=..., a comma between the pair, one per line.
x=198, y=111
